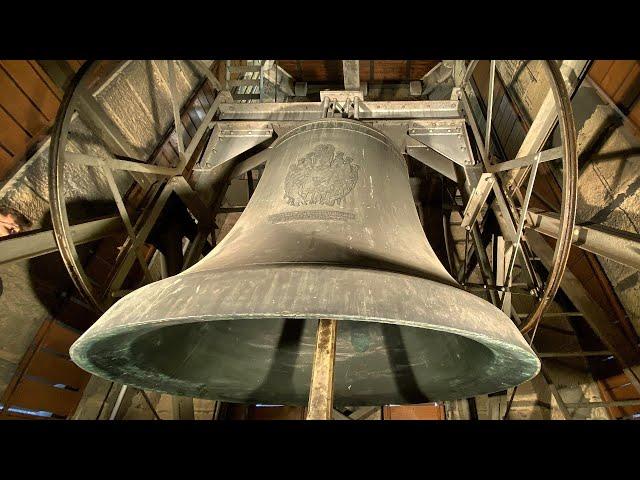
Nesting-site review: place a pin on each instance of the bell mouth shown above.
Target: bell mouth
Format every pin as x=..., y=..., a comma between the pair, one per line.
x=396, y=343
x=269, y=360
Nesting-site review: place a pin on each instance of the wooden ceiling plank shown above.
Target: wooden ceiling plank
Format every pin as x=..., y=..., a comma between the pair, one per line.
x=12, y=136
x=57, y=370
x=629, y=89
x=38, y=396
x=634, y=114
x=24, y=363
x=33, y=86
x=59, y=338
x=57, y=92
x=599, y=69
x=616, y=75
x=18, y=105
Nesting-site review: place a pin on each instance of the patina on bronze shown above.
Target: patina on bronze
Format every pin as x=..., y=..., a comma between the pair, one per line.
x=331, y=232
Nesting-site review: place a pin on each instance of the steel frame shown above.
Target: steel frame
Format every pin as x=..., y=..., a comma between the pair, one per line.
x=569, y=190
x=164, y=180
x=618, y=246
x=241, y=120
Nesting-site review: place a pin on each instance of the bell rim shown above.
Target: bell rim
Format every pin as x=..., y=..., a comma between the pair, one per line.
x=78, y=353
x=516, y=350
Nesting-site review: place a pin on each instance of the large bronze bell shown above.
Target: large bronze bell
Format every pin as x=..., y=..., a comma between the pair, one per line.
x=331, y=232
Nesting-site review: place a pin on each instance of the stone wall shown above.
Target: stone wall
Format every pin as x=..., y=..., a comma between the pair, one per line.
x=137, y=99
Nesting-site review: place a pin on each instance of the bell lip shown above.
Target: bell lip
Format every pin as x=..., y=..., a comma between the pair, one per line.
x=512, y=345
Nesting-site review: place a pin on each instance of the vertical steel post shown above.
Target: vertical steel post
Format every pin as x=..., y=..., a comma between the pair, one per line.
x=321, y=389
x=116, y=407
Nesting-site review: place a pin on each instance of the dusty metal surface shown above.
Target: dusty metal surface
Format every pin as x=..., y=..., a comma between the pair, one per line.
x=321, y=392
x=330, y=232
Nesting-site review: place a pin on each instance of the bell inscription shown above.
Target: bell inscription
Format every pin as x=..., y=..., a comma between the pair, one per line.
x=323, y=176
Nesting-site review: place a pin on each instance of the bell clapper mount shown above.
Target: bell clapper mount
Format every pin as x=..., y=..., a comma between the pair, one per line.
x=321, y=388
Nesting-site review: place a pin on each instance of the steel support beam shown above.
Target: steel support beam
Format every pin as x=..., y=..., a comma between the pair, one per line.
x=526, y=161
x=143, y=228
x=204, y=68
x=230, y=139
x=477, y=200
x=503, y=254
x=302, y=111
x=338, y=415
x=234, y=209
x=616, y=245
x=193, y=201
x=203, y=127
x=351, y=74
x=488, y=130
x=620, y=403
x=595, y=353
x=447, y=137
x=116, y=408
x=147, y=400
x=279, y=77
x=36, y=243
x=600, y=322
x=430, y=158
x=364, y=412
x=250, y=163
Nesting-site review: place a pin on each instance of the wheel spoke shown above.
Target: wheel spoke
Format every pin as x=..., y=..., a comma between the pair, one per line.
x=179, y=128
x=209, y=74
x=127, y=221
x=523, y=216
x=528, y=160
x=118, y=164
x=469, y=71
x=487, y=135
x=203, y=127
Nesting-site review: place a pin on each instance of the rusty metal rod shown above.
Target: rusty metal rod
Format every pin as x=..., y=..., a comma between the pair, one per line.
x=321, y=390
